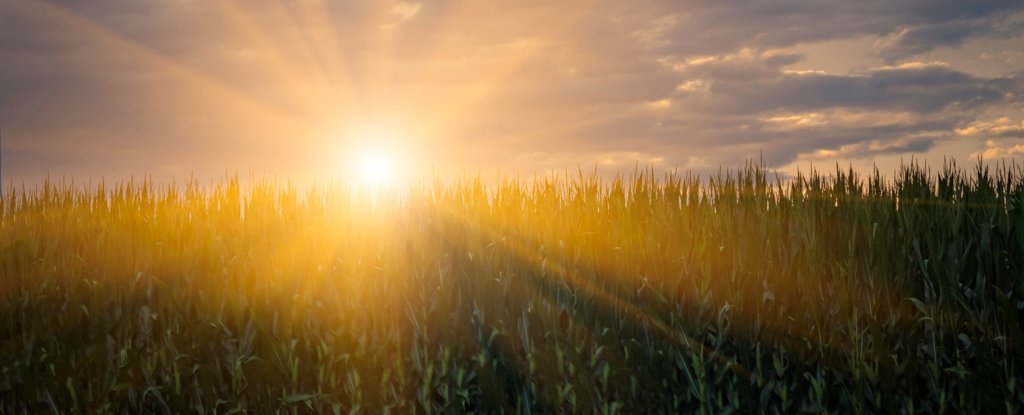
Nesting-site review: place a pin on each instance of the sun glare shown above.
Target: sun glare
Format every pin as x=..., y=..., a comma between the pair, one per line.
x=376, y=168
x=376, y=156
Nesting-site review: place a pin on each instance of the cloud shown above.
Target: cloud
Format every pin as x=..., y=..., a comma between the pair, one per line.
x=995, y=150
x=1002, y=127
x=840, y=118
x=406, y=11
x=751, y=84
x=794, y=115
x=916, y=143
x=703, y=27
x=908, y=42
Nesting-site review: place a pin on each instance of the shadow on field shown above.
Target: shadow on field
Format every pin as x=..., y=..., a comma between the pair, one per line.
x=524, y=304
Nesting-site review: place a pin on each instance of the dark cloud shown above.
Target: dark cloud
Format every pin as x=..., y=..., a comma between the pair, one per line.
x=828, y=111
x=750, y=83
x=710, y=27
x=927, y=88
x=912, y=41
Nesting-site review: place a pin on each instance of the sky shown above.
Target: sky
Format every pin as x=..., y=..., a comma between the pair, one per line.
x=305, y=89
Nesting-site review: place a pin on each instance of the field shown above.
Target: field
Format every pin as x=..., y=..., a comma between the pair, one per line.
x=739, y=292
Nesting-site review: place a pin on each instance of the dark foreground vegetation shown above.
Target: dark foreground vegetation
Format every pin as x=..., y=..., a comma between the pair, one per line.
x=737, y=293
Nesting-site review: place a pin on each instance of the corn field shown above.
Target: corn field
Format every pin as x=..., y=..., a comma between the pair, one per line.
x=741, y=292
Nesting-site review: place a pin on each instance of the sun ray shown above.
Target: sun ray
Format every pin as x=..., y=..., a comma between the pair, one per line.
x=233, y=97
x=282, y=63
x=524, y=248
x=478, y=89
x=326, y=43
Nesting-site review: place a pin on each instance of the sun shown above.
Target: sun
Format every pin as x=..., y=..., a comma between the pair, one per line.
x=375, y=156
x=376, y=168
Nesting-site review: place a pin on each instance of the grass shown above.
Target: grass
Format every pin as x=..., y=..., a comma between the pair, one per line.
x=734, y=293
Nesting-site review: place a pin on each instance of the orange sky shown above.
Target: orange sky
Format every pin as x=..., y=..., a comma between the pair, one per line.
x=301, y=88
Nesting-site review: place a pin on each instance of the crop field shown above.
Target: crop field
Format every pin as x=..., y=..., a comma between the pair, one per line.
x=740, y=292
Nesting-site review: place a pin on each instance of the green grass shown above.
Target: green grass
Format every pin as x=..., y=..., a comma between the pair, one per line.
x=735, y=293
